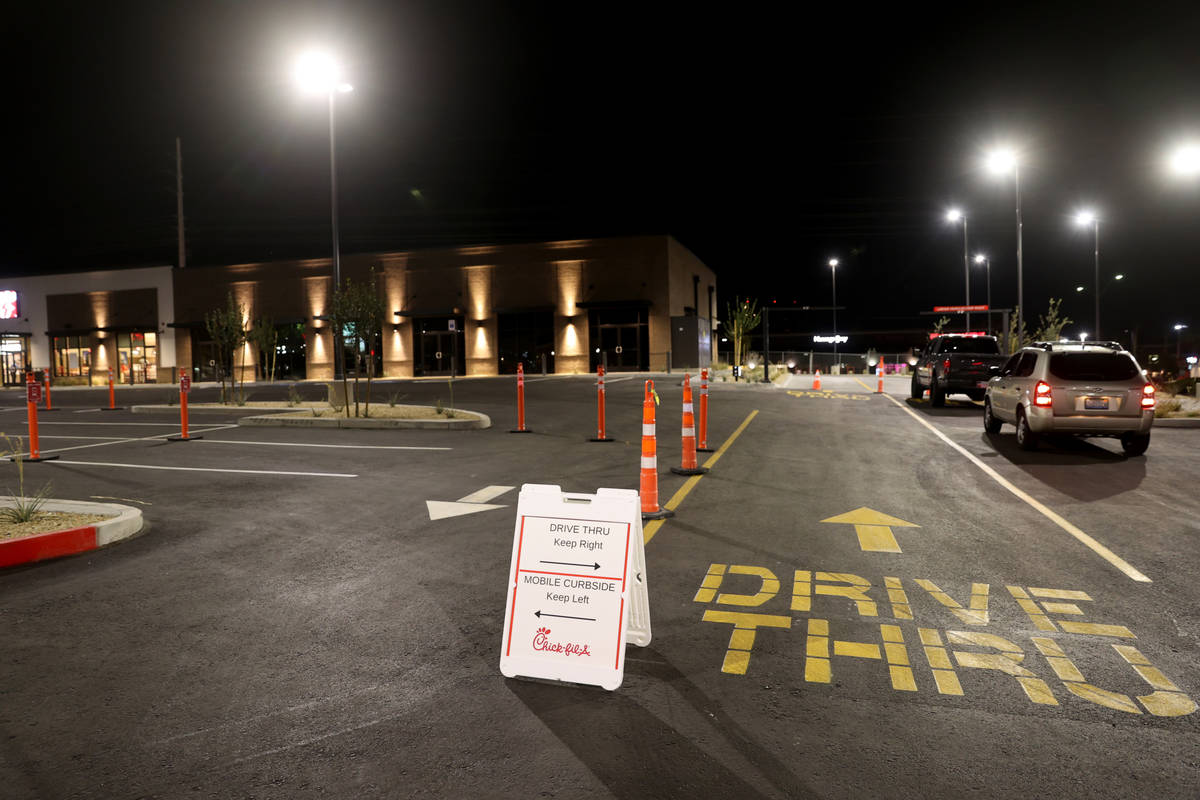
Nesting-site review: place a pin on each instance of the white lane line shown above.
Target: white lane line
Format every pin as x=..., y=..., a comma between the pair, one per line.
x=105, y=438
x=341, y=446
x=485, y=494
x=88, y=410
x=121, y=441
x=617, y=380
x=207, y=469
x=1095, y=546
x=127, y=424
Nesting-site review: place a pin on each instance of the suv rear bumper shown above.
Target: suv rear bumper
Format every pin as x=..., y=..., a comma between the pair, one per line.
x=1043, y=420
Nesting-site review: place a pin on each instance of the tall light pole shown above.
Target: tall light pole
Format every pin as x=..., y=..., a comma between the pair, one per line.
x=980, y=258
x=1085, y=218
x=317, y=72
x=1002, y=162
x=955, y=215
x=833, y=265
x=1179, y=326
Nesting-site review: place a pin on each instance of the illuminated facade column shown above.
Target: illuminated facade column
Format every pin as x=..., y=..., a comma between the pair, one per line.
x=570, y=321
x=245, y=358
x=479, y=334
x=397, y=331
x=318, y=334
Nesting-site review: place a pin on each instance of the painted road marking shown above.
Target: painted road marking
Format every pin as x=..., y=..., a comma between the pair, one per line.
x=305, y=444
x=87, y=410
x=1095, y=546
x=828, y=395
x=757, y=597
x=108, y=441
x=874, y=529
x=485, y=494
x=208, y=469
x=652, y=527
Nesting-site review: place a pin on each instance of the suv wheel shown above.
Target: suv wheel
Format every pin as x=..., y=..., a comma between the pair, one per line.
x=1134, y=444
x=990, y=423
x=937, y=395
x=915, y=391
x=1026, y=439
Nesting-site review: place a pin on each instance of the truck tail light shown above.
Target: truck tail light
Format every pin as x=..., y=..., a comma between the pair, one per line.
x=1041, y=394
x=946, y=367
x=1148, y=396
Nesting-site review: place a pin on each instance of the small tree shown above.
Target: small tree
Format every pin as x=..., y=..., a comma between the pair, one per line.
x=941, y=323
x=358, y=312
x=741, y=319
x=265, y=338
x=1014, y=341
x=1051, y=324
x=225, y=327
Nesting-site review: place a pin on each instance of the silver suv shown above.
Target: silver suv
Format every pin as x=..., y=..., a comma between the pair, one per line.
x=1092, y=389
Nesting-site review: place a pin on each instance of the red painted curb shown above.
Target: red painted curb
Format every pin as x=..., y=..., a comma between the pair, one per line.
x=47, y=545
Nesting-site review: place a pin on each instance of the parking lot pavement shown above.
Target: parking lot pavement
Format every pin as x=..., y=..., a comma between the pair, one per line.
x=845, y=605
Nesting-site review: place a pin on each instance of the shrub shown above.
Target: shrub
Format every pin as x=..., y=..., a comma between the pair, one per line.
x=1166, y=407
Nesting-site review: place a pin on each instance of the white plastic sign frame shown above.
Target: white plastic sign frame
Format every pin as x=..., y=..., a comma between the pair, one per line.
x=576, y=560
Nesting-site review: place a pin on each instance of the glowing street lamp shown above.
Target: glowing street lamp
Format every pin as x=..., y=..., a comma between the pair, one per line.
x=980, y=258
x=318, y=72
x=833, y=265
x=1003, y=161
x=1184, y=160
x=956, y=215
x=1084, y=219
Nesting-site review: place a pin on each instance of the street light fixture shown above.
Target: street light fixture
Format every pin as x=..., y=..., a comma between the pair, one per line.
x=956, y=215
x=1179, y=326
x=1184, y=160
x=833, y=265
x=1084, y=219
x=318, y=72
x=1003, y=161
x=980, y=258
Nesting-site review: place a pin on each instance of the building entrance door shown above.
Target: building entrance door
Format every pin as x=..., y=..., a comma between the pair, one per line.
x=621, y=344
x=438, y=353
x=620, y=338
x=13, y=365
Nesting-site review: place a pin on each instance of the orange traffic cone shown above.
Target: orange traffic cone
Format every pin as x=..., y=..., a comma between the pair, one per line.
x=649, y=473
x=879, y=371
x=817, y=381
x=688, y=465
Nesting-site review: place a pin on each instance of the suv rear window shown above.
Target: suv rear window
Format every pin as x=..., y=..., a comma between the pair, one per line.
x=1093, y=366
x=968, y=344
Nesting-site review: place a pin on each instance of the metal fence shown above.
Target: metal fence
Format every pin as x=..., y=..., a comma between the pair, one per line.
x=808, y=361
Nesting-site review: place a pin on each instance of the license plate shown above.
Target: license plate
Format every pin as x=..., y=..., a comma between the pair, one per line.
x=1095, y=403
x=981, y=384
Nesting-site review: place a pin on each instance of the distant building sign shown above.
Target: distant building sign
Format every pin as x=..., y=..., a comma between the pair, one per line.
x=8, y=304
x=837, y=339
x=958, y=309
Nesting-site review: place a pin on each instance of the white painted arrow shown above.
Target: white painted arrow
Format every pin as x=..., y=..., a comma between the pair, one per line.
x=471, y=504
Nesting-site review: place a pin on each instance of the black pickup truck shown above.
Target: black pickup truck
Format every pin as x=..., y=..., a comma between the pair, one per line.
x=956, y=363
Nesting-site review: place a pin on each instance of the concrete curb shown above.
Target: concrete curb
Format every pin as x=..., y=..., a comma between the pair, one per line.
x=298, y=421
x=1177, y=422
x=127, y=522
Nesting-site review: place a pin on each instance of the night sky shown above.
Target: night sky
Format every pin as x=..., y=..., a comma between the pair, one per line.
x=765, y=137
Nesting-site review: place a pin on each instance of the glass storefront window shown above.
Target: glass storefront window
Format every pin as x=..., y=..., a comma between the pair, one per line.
x=137, y=357
x=72, y=356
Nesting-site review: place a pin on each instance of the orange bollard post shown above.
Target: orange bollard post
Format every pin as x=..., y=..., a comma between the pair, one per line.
x=185, y=386
x=702, y=438
x=112, y=395
x=600, y=431
x=33, y=396
x=46, y=381
x=648, y=488
x=520, y=401
x=817, y=381
x=879, y=371
x=687, y=464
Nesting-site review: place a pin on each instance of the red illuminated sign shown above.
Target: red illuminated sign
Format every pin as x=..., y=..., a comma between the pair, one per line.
x=959, y=309
x=8, y=304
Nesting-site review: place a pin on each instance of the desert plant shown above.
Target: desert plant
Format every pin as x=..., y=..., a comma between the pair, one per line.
x=1050, y=325
x=438, y=406
x=225, y=326
x=25, y=508
x=265, y=337
x=940, y=324
x=293, y=398
x=358, y=311
x=392, y=399
x=741, y=319
x=1167, y=407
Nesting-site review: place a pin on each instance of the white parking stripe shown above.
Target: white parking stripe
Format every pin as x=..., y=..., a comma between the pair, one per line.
x=107, y=442
x=206, y=469
x=305, y=444
x=1087, y=540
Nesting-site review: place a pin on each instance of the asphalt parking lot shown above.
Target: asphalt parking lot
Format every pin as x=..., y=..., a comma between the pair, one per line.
x=864, y=596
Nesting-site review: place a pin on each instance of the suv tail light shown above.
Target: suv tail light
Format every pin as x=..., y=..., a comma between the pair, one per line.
x=1148, y=396
x=946, y=367
x=1041, y=394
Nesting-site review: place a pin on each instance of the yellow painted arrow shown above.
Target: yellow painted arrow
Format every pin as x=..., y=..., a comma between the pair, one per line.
x=874, y=529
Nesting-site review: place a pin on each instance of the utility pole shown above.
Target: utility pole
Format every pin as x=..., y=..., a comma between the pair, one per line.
x=179, y=204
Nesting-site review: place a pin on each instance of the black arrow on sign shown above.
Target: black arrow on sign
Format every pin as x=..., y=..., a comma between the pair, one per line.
x=540, y=614
x=572, y=564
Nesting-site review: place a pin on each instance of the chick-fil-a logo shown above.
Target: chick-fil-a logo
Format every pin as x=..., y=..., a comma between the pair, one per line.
x=541, y=641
